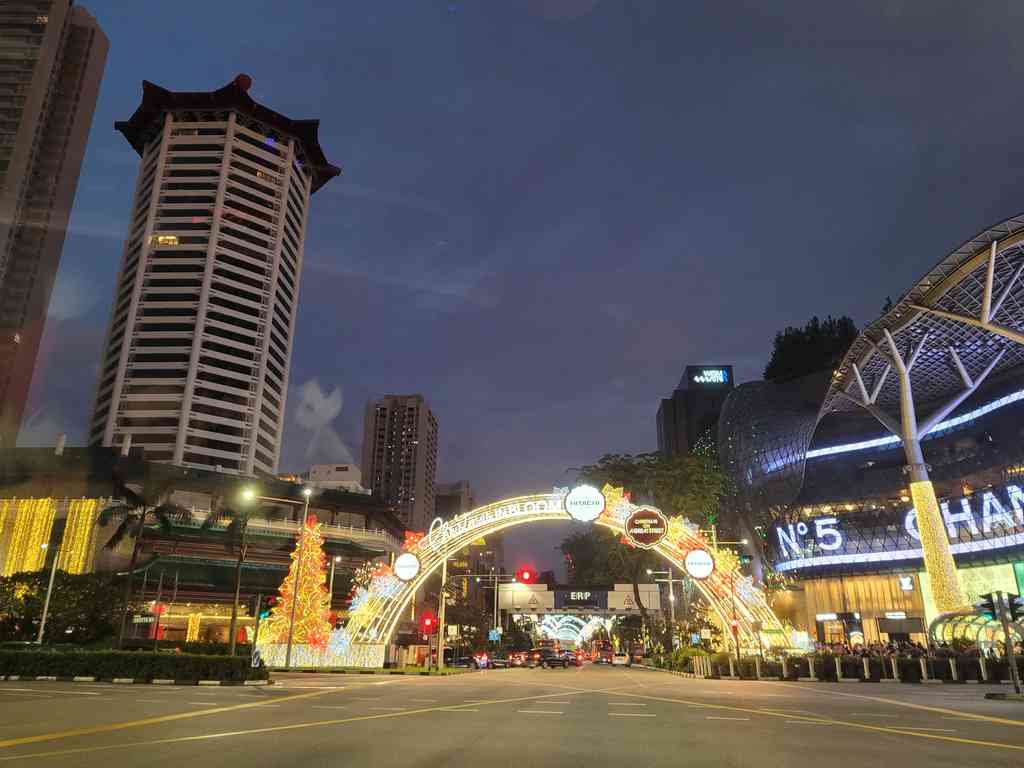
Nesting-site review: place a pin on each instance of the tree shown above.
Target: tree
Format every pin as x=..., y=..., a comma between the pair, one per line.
x=305, y=587
x=817, y=346
x=136, y=511
x=236, y=538
x=84, y=607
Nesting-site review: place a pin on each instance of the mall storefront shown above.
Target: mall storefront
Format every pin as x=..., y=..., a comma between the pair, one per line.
x=859, y=578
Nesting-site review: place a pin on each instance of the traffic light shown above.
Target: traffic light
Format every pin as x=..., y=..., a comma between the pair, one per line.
x=525, y=575
x=734, y=625
x=267, y=606
x=1016, y=607
x=987, y=606
x=428, y=623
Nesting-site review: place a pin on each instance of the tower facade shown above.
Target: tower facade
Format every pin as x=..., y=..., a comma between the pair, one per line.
x=54, y=56
x=195, y=366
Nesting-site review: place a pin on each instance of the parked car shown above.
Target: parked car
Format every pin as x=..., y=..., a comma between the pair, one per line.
x=621, y=659
x=571, y=658
x=499, y=661
x=518, y=658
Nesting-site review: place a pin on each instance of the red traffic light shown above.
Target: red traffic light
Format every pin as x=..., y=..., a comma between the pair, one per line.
x=428, y=623
x=525, y=575
x=735, y=625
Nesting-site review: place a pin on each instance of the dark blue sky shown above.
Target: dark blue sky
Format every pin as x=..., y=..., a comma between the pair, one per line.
x=550, y=207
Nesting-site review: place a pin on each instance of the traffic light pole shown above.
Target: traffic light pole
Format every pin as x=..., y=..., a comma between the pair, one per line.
x=1004, y=616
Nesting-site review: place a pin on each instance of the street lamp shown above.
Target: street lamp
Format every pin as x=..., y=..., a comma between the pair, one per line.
x=330, y=589
x=671, y=598
x=49, y=590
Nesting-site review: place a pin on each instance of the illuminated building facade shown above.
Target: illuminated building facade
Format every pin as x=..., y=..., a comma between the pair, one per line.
x=53, y=59
x=195, y=366
x=691, y=413
x=906, y=468
x=55, y=499
x=400, y=456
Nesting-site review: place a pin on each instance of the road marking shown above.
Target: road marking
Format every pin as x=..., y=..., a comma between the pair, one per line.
x=870, y=714
x=558, y=702
x=460, y=709
x=151, y=701
x=847, y=723
x=538, y=711
x=38, y=692
x=630, y=714
x=714, y=717
x=917, y=728
x=328, y=706
x=624, y=704
x=423, y=701
x=897, y=703
x=807, y=722
x=389, y=709
x=94, y=729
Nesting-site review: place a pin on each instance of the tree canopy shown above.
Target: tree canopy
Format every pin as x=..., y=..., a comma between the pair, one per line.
x=817, y=346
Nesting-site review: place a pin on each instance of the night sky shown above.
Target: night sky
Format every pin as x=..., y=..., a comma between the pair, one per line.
x=549, y=207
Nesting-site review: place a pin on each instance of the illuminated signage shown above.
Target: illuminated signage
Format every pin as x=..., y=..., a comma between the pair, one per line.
x=906, y=583
x=711, y=376
x=699, y=564
x=646, y=527
x=989, y=520
x=584, y=503
x=826, y=617
x=581, y=598
x=407, y=566
x=895, y=614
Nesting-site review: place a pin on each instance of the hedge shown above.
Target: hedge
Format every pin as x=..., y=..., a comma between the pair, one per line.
x=138, y=665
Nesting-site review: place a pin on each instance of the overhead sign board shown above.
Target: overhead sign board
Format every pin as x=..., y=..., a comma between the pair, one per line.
x=987, y=521
x=584, y=503
x=699, y=564
x=711, y=376
x=646, y=527
x=581, y=598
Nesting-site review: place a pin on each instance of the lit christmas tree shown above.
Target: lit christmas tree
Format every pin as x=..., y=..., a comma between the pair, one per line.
x=312, y=610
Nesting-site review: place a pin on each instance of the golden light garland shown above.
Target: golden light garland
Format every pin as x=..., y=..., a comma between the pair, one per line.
x=32, y=525
x=192, y=630
x=938, y=557
x=79, y=542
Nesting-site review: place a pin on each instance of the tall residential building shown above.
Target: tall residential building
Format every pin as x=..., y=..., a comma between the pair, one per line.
x=52, y=57
x=195, y=367
x=690, y=415
x=451, y=499
x=400, y=456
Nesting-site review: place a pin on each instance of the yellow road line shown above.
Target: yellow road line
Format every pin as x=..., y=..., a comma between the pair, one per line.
x=253, y=731
x=93, y=729
x=911, y=705
x=824, y=720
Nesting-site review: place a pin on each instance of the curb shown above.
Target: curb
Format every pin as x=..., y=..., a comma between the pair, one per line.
x=129, y=680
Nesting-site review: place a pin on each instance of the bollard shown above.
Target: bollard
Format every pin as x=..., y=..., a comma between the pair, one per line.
x=895, y=669
x=839, y=668
x=867, y=668
x=785, y=667
x=732, y=668
x=757, y=667
x=924, y=669
x=984, y=668
x=953, y=671
x=810, y=668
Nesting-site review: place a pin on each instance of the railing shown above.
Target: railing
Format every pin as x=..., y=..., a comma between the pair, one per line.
x=377, y=536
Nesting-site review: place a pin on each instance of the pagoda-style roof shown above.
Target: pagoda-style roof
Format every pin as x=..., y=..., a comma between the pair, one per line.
x=142, y=126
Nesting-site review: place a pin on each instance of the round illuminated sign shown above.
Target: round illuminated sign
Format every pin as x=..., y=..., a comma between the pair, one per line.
x=699, y=564
x=407, y=565
x=584, y=503
x=646, y=527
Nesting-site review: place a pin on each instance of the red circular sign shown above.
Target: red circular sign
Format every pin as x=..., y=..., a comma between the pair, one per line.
x=646, y=527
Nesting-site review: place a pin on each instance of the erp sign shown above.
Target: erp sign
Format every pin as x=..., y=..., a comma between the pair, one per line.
x=983, y=522
x=581, y=598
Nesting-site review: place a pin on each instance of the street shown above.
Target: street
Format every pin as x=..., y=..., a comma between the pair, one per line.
x=522, y=717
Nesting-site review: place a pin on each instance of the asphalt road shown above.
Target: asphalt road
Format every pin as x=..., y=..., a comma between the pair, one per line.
x=591, y=716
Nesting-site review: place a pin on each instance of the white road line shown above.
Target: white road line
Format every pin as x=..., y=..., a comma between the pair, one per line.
x=630, y=714
x=459, y=709
x=715, y=717
x=916, y=728
x=538, y=711
x=151, y=701
x=389, y=709
x=551, y=701
x=423, y=701
x=329, y=706
x=807, y=722
x=868, y=714
x=625, y=704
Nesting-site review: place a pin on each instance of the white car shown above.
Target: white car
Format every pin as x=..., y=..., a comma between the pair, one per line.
x=620, y=659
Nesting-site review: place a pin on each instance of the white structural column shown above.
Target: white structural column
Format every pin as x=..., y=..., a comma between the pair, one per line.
x=938, y=557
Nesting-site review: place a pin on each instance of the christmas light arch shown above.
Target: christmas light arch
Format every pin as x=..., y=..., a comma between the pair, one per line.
x=377, y=608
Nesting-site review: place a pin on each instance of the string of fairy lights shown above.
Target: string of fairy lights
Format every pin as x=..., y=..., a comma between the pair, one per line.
x=31, y=524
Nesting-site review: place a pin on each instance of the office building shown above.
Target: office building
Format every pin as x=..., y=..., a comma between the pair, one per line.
x=400, y=456
x=344, y=477
x=54, y=55
x=195, y=366
x=691, y=413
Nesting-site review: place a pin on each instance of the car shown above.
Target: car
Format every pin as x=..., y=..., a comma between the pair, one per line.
x=499, y=661
x=518, y=659
x=550, y=658
x=468, y=662
x=620, y=659
x=571, y=658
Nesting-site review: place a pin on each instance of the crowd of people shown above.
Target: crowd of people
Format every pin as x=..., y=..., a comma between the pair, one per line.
x=914, y=650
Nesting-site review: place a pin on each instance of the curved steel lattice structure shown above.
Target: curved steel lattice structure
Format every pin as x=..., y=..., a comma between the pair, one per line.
x=970, y=626
x=376, y=611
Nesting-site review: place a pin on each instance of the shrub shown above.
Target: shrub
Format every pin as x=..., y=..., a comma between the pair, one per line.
x=139, y=665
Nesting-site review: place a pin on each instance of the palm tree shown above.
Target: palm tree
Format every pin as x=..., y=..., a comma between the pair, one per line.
x=136, y=511
x=236, y=537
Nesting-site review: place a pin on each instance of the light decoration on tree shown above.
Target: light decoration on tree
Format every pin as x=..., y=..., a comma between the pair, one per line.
x=32, y=525
x=79, y=542
x=412, y=540
x=307, y=590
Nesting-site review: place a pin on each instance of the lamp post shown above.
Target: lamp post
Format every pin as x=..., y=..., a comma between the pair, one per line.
x=671, y=598
x=49, y=590
x=307, y=492
x=330, y=589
